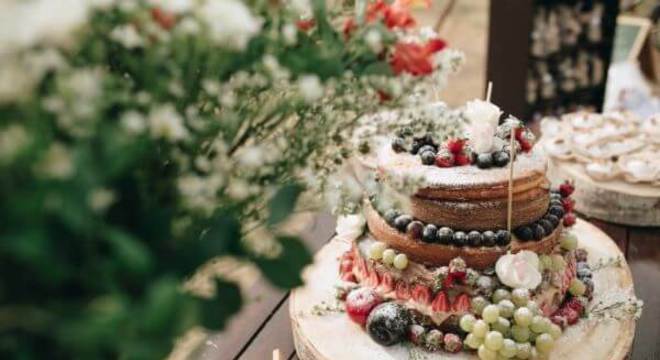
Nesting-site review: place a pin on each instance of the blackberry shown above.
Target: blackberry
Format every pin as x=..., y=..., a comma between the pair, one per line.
x=428, y=157
x=474, y=238
x=402, y=221
x=485, y=160
x=557, y=211
x=415, y=229
x=539, y=232
x=388, y=323
x=459, y=238
x=445, y=235
x=399, y=145
x=489, y=238
x=430, y=234
x=503, y=238
x=390, y=216
x=500, y=158
x=547, y=226
x=524, y=233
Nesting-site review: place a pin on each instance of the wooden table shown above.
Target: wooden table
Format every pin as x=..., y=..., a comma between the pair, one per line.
x=263, y=324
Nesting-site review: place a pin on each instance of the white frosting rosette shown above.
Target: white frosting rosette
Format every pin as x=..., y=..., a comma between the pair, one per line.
x=520, y=270
x=350, y=227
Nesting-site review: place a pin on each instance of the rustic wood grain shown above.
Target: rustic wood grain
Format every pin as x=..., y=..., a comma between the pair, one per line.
x=276, y=334
x=644, y=261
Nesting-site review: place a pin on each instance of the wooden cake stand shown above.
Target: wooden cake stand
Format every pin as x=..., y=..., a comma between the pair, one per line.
x=615, y=201
x=330, y=335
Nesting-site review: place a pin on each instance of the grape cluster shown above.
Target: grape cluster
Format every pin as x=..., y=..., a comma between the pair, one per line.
x=509, y=327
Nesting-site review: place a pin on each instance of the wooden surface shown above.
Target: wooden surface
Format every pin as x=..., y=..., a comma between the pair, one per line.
x=263, y=325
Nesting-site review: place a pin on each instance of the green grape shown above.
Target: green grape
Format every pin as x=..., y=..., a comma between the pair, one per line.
x=539, y=324
x=524, y=350
x=533, y=307
x=467, y=321
x=533, y=336
x=544, y=343
x=486, y=353
x=388, y=256
x=401, y=261
x=555, y=331
x=493, y=340
x=509, y=348
x=506, y=308
x=558, y=262
x=577, y=287
x=480, y=328
x=473, y=341
x=545, y=262
x=478, y=303
x=502, y=325
x=376, y=250
x=568, y=241
x=501, y=294
x=520, y=333
x=491, y=313
x=523, y=317
x=520, y=297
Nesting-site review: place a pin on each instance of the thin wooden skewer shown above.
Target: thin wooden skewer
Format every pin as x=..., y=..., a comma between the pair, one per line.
x=489, y=90
x=512, y=153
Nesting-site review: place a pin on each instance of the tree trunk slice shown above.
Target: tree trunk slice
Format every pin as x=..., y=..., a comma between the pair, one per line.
x=615, y=201
x=332, y=336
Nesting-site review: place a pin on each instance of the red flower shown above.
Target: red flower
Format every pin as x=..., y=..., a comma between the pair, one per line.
x=165, y=19
x=305, y=24
x=398, y=16
x=349, y=27
x=414, y=58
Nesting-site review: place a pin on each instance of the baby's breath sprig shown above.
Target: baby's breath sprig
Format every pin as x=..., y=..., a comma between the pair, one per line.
x=612, y=261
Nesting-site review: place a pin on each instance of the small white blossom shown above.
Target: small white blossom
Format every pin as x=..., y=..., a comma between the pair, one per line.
x=165, y=122
x=56, y=163
x=127, y=35
x=310, y=87
x=230, y=23
x=374, y=41
x=290, y=34
x=301, y=7
x=133, y=122
x=238, y=189
x=251, y=157
x=13, y=139
x=100, y=199
x=188, y=26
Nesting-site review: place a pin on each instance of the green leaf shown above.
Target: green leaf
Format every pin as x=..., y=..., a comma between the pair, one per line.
x=283, y=203
x=130, y=252
x=227, y=301
x=162, y=305
x=284, y=271
x=378, y=68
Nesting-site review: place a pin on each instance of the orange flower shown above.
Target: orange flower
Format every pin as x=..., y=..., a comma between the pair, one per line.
x=165, y=19
x=414, y=58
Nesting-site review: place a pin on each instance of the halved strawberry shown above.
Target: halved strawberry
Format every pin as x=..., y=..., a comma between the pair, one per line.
x=373, y=279
x=402, y=290
x=440, y=303
x=387, y=282
x=349, y=277
x=345, y=266
x=360, y=268
x=421, y=294
x=461, y=303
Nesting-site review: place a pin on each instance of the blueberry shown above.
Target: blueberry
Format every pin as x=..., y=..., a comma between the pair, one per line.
x=555, y=195
x=524, y=233
x=399, y=145
x=547, y=226
x=402, y=221
x=428, y=157
x=474, y=238
x=557, y=211
x=489, y=238
x=426, y=148
x=414, y=149
x=427, y=139
x=500, y=159
x=539, y=232
x=584, y=273
x=391, y=215
x=415, y=229
x=388, y=323
x=554, y=220
x=445, y=235
x=503, y=238
x=485, y=160
x=459, y=238
x=430, y=234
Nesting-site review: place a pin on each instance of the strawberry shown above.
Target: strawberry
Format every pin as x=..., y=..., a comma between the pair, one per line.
x=454, y=277
x=568, y=204
x=455, y=146
x=359, y=304
x=361, y=268
x=574, y=304
x=440, y=303
x=566, y=189
x=346, y=265
x=402, y=290
x=444, y=159
x=421, y=294
x=348, y=277
x=462, y=158
x=461, y=303
x=569, y=219
x=387, y=282
x=372, y=279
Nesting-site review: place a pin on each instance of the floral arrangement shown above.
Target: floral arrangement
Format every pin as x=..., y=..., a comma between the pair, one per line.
x=141, y=139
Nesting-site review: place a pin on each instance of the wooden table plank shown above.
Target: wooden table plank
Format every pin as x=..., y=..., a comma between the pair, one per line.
x=276, y=334
x=644, y=261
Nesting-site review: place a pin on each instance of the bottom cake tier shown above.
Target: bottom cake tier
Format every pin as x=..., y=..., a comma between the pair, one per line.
x=323, y=330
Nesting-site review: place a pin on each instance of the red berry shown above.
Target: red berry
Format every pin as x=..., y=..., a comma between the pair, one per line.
x=440, y=303
x=359, y=304
x=462, y=159
x=373, y=279
x=569, y=204
x=421, y=294
x=572, y=316
x=566, y=189
x=455, y=146
x=402, y=290
x=416, y=334
x=525, y=145
x=453, y=343
x=348, y=277
x=461, y=303
x=444, y=159
x=575, y=304
x=569, y=219
x=387, y=282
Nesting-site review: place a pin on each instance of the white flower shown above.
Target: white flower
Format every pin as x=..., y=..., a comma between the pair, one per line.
x=290, y=34
x=127, y=35
x=374, y=41
x=350, y=227
x=13, y=139
x=520, y=270
x=56, y=162
x=238, y=189
x=165, y=122
x=230, y=23
x=301, y=7
x=251, y=157
x=483, y=118
x=310, y=87
x=100, y=199
x=133, y=122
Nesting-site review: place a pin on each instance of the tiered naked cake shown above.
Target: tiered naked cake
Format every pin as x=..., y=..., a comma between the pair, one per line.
x=447, y=275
